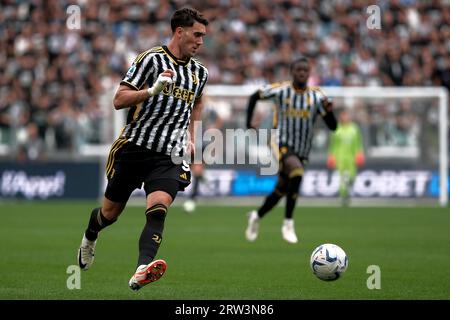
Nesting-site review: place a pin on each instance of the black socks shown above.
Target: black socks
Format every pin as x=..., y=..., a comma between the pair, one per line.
x=195, y=183
x=291, y=198
x=97, y=222
x=292, y=194
x=270, y=202
x=151, y=236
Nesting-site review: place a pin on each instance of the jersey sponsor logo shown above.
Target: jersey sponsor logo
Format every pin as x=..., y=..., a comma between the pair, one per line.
x=183, y=176
x=179, y=93
x=296, y=113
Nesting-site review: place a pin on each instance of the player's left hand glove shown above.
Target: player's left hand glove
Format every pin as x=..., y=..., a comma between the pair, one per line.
x=360, y=159
x=331, y=162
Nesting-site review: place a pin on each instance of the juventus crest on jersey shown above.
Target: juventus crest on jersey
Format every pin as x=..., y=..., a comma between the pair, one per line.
x=160, y=123
x=296, y=114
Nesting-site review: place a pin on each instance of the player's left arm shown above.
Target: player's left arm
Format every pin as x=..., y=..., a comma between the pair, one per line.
x=193, y=124
x=218, y=122
x=328, y=114
x=196, y=114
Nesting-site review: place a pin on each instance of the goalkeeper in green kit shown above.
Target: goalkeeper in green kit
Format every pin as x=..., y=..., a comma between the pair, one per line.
x=346, y=153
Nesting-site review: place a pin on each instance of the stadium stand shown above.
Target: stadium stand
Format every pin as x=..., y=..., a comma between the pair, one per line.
x=54, y=79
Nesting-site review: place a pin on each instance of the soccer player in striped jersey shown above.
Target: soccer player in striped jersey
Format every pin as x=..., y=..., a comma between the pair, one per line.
x=162, y=90
x=297, y=108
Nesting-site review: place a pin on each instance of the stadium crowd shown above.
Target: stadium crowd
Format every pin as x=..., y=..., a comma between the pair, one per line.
x=56, y=81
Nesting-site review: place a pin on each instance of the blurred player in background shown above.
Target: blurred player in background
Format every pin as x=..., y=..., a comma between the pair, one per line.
x=190, y=204
x=346, y=153
x=210, y=120
x=297, y=108
x=163, y=90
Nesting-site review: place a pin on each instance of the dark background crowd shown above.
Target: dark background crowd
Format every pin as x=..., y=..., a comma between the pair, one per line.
x=54, y=80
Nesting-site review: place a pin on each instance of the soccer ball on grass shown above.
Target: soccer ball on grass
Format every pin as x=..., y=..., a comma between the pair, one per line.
x=189, y=206
x=328, y=262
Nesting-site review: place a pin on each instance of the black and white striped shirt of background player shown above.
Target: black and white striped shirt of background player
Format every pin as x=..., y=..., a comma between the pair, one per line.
x=160, y=123
x=295, y=114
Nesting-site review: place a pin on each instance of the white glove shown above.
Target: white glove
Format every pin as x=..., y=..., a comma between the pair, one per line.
x=159, y=85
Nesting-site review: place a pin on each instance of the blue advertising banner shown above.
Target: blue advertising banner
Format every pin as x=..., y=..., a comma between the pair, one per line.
x=49, y=180
x=369, y=183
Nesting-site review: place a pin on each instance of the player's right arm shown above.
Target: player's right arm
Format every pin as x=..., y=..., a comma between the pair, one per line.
x=143, y=72
x=127, y=96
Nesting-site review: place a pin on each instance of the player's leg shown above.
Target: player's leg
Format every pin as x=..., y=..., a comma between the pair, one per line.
x=352, y=176
x=343, y=187
x=160, y=195
x=348, y=174
x=103, y=217
x=158, y=203
x=251, y=233
x=197, y=171
x=100, y=218
x=272, y=199
x=294, y=169
x=161, y=187
x=119, y=188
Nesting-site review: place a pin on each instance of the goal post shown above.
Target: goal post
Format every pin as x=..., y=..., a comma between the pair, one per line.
x=443, y=146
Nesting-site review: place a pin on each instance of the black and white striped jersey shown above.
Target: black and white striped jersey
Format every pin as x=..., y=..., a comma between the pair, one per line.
x=295, y=114
x=160, y=123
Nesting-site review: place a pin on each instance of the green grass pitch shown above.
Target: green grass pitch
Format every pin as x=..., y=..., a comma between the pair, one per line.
x=209, y=258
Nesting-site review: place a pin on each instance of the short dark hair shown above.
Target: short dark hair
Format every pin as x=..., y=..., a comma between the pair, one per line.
x=301, y=59
x=186, y=17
